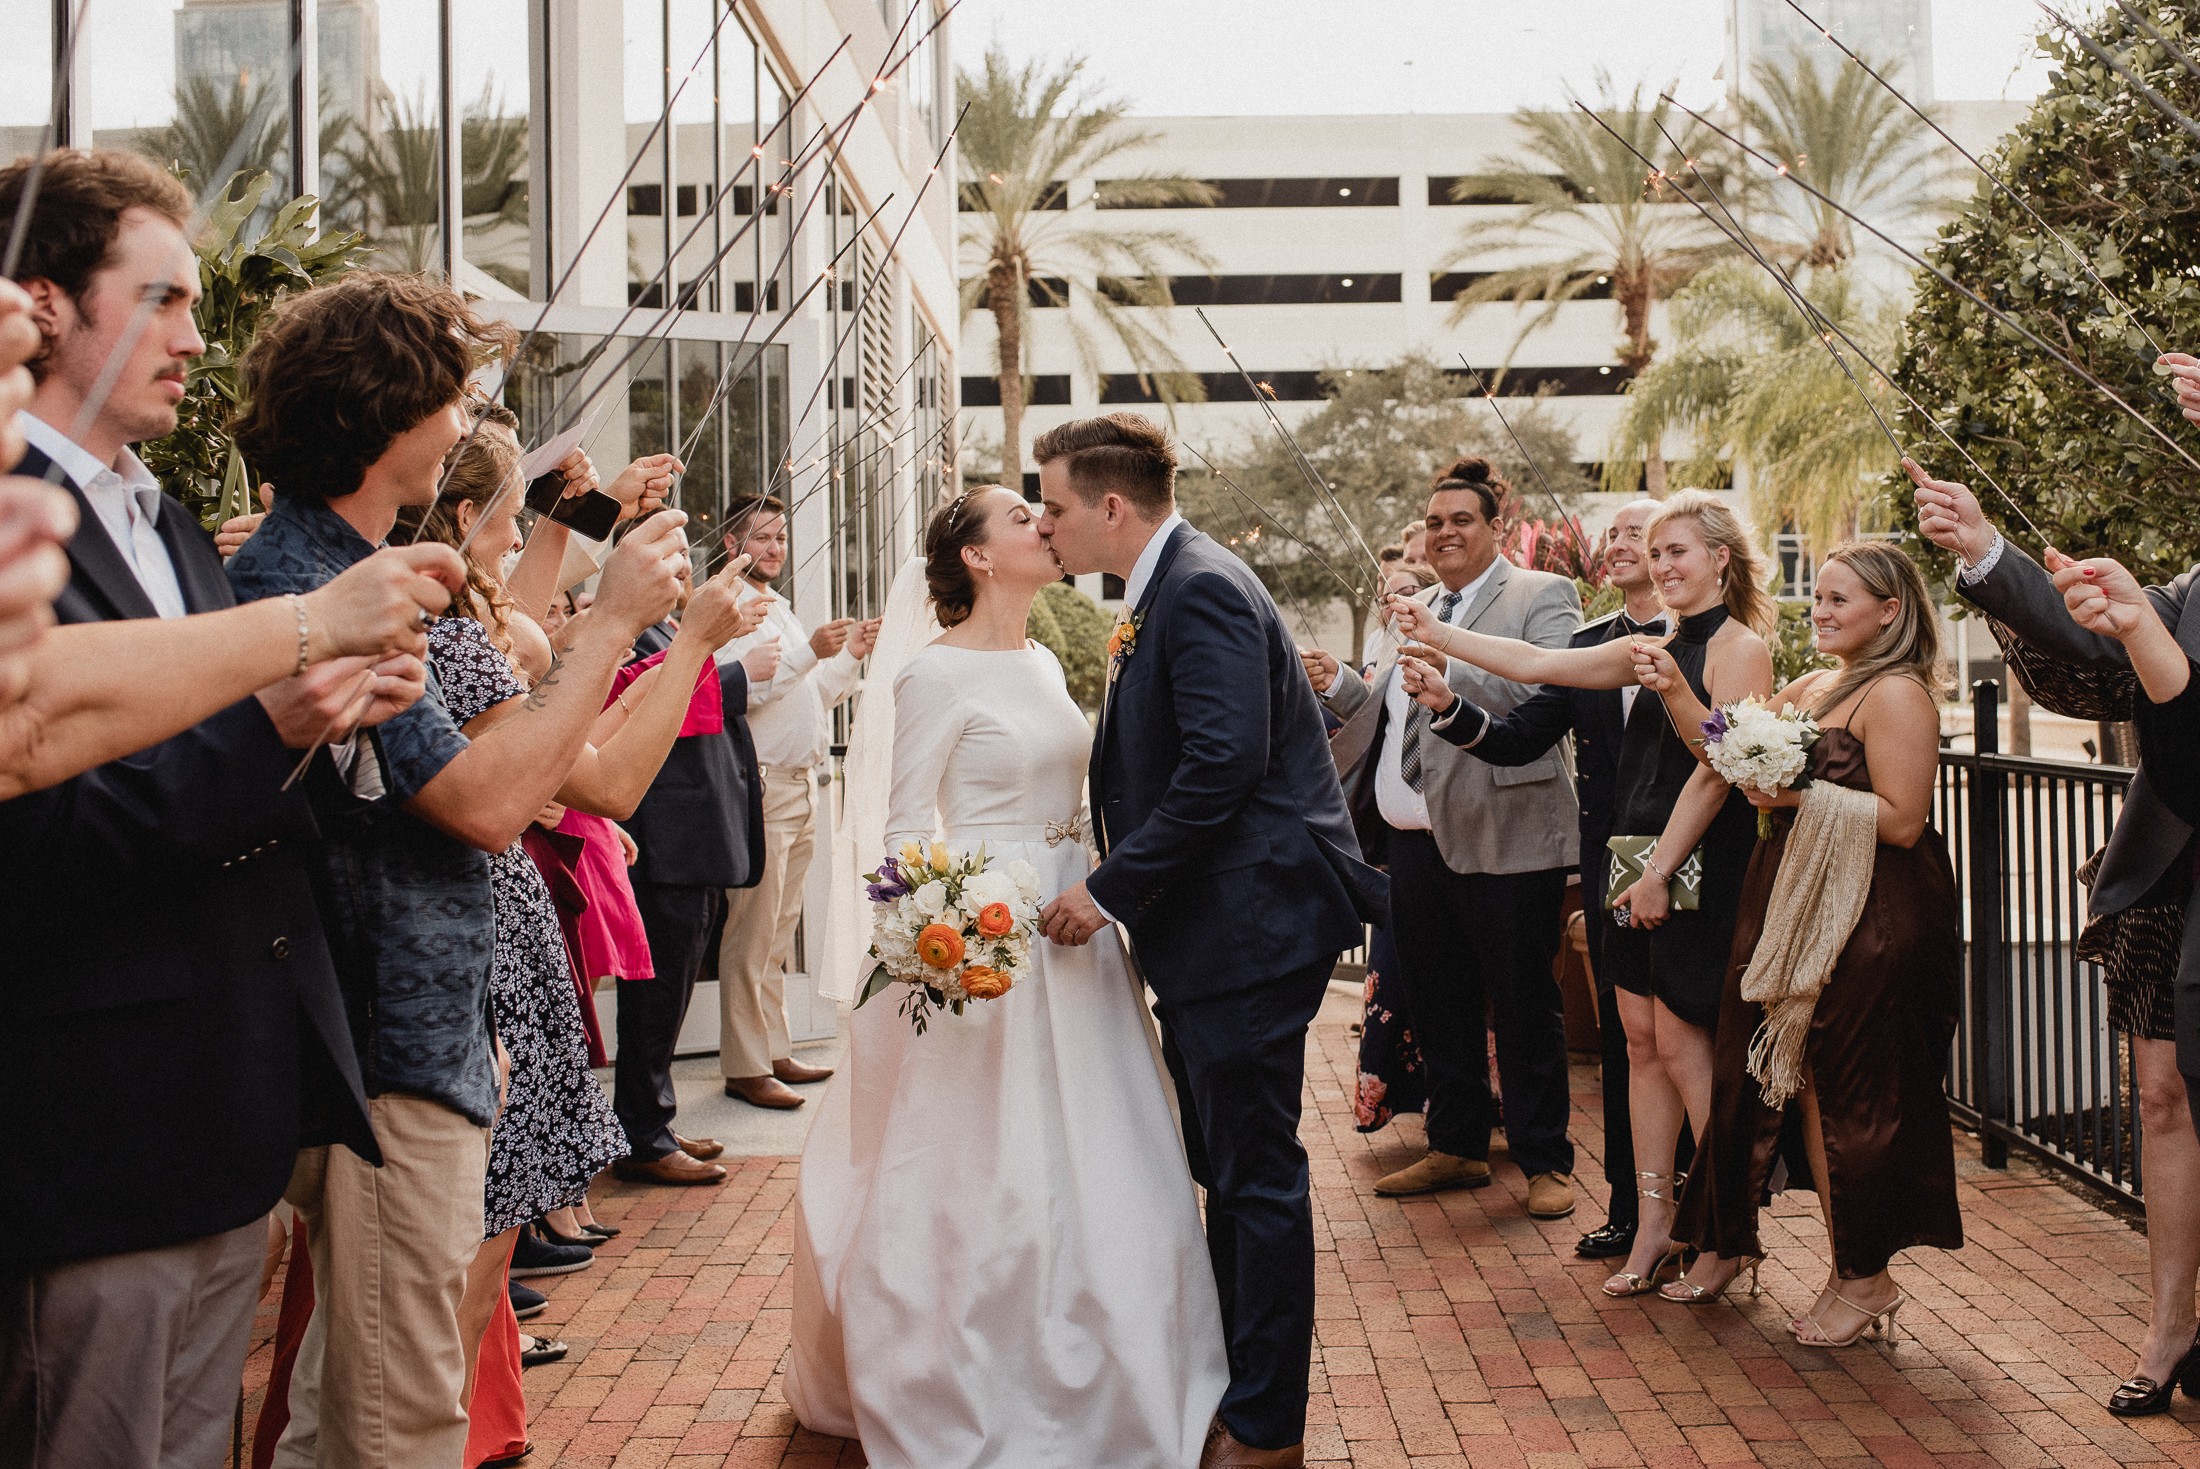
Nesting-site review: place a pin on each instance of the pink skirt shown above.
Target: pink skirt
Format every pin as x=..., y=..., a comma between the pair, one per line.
x=610, y=943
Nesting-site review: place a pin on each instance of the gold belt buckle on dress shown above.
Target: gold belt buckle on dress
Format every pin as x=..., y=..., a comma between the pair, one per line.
x=1059, y=832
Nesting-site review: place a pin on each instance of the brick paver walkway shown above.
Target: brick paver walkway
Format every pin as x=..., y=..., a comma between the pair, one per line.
x=1451, y=1331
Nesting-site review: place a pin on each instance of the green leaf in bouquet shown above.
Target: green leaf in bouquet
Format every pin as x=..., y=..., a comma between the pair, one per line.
x=878, y=981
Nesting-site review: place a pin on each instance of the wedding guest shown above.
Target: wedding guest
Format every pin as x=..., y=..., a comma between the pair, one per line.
x=2140, y=896
x=1461, y=837
x=700, y=834
x=1597, y=719
x=790, y=713
x=169, y=980
x=1391, y=1077
x=1667, y=962
x=1841, y=1023
x=354, y=399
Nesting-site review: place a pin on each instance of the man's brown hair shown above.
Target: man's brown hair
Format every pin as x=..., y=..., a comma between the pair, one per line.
x=82, y=196
x=1123, y=452
x=340, y=371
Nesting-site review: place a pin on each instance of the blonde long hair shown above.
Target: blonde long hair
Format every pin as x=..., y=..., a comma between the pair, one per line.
x=484, y=466
x=1743, y=582
x=1909, y=645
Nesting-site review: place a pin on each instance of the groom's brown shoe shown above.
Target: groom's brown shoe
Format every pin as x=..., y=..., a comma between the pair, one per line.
x=1223, y=1451
x=1434, y=1173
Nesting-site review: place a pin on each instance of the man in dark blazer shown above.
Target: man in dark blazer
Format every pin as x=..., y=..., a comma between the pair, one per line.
x=2020, y=594
x=1595, y=718
x=1229, y=858
x=168, y=981
x=700, y=831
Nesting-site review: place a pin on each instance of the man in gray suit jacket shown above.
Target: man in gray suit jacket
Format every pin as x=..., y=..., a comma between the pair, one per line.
x=2018, y=592
x=1478, y=855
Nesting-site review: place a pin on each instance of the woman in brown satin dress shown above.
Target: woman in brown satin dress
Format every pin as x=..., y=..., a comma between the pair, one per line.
x=1872, y=1116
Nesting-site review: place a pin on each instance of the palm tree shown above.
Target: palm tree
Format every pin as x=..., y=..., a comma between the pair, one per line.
x=243, y=125
x=1594, y=219
x=1030, y=131
x=1750, y=375
x=1853, y=140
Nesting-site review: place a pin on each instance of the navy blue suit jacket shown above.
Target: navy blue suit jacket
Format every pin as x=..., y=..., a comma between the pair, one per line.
x=701, y=824
x=1226, y=848
x=166, y=978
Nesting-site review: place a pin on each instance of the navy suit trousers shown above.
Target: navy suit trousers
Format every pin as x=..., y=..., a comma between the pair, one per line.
x=1239, y=1061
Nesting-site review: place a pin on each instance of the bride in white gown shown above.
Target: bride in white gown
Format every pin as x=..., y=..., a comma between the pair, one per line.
x=998, y=1254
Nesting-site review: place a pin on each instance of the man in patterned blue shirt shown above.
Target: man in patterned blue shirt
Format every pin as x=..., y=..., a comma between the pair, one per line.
x=356, y=399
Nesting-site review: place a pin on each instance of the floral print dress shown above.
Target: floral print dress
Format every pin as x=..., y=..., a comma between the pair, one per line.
x=1392, y=1079
x=557, y=1130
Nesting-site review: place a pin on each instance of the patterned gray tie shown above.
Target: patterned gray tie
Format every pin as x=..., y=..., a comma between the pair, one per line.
x=1409, y=754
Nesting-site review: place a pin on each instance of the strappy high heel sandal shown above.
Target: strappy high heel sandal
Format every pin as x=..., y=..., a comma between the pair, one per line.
x=1640, y=1285
x=1688, y=1293
x=1883, y=1318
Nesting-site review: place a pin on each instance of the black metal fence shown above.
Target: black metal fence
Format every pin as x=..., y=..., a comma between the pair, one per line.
x=2034, y=1063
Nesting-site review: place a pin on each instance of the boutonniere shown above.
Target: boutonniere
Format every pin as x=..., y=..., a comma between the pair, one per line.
x=1123, y=641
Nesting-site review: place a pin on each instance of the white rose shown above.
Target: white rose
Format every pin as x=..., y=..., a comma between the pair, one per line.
x=931, y=899
x=1025, y=876
x=988, y=887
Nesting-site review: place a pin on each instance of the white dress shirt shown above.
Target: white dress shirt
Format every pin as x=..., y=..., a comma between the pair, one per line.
x=127, y=500
x=1400, y=804
x=1134, y=585
x=1655, y=626
x=787, y=711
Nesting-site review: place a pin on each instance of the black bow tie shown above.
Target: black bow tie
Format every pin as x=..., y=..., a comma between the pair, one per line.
x=1655, y=626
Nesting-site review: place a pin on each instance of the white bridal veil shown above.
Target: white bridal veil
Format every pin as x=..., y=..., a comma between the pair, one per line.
x=866, y=784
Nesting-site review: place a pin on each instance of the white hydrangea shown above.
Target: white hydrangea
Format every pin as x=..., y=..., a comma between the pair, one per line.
x=1762, y=750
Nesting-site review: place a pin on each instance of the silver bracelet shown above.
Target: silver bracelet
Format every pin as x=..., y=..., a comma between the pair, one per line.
x=1650, y=861
x=298, y=605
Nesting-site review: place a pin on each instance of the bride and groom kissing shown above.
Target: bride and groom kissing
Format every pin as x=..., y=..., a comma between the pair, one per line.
x=998, y=1255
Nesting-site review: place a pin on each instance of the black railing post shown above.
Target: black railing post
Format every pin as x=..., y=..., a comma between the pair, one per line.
x=1990, y=1058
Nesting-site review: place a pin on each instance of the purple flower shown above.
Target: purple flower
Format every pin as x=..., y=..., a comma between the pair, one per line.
x=1715, y=728
x=887, y=883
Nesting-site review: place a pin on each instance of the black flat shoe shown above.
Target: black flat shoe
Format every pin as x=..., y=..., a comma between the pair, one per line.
x=538, y=1351
x=581, y=1241
x=1607, y=1243
x=2142, y=1397
x=509, y=1460
x=526, y=1300
x=600, y=1231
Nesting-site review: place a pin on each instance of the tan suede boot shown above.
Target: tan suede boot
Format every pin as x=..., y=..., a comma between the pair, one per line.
x=1434, y=1174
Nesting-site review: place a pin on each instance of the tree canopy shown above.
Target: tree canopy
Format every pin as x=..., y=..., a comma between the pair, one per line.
x=2120, y=182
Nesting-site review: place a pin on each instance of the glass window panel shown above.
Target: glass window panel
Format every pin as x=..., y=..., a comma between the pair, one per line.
x=647, y=236
x=204, y=87
x=382, y=128
x=695, y=147
x=26, y=80
x=489, y=38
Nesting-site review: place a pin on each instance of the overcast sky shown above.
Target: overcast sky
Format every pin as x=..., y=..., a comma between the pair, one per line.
x=1206, y=57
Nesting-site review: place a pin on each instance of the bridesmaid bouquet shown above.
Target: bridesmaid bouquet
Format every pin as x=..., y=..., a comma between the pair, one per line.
x=950, y=925
x=1753, y=748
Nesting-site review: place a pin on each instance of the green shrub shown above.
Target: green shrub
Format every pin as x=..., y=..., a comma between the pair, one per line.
x=1075, y=629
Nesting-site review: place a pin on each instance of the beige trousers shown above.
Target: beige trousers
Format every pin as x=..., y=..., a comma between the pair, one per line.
x=760, y=921
x=390, y=1250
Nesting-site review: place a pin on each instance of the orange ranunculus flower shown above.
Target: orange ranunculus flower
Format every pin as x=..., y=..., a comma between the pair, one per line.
x=994, y=919
x=982, y=983
x=940, y=946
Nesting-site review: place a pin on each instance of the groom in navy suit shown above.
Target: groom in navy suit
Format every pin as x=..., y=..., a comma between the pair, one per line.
x=1228, y=856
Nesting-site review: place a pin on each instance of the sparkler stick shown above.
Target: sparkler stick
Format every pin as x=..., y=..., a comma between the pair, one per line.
x=20, y=229
x=1949, y=281
x=2015, y=198
x=1302, y=542
x=1580, y=543
x=1333, y=506
x=2161, y=104
x=1825, y=324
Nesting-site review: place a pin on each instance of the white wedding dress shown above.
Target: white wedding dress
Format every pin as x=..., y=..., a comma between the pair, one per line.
x=998, y=1256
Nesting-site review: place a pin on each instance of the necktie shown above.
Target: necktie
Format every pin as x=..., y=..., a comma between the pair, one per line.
x=1409, y=753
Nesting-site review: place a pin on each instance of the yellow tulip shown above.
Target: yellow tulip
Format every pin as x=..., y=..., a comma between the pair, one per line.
x=912, y=853
x=941, y=861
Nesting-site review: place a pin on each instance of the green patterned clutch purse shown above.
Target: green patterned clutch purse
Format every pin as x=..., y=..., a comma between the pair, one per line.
x=1629, y=854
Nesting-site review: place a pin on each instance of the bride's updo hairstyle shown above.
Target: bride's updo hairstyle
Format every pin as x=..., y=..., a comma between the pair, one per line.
x=958, y=523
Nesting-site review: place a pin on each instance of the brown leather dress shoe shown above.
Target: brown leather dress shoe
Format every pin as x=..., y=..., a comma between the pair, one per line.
x=702, y=1149
x=673, y=1167
x=795, y=1071
x=1223, y=1451
x=763, y=1091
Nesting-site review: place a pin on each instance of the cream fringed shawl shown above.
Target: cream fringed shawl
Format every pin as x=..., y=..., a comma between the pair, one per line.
x=1825, y=875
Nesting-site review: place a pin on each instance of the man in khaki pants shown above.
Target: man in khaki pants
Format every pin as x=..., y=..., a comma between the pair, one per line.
x=787, y=719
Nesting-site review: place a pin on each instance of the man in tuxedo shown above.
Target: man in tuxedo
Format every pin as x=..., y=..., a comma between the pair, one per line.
x=700, y=831
x=1229, y=858
x=169, y=981
x=1478, y=857
x=1595, y=718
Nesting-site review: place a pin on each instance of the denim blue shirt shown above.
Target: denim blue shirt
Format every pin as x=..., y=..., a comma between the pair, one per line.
x=409, y=911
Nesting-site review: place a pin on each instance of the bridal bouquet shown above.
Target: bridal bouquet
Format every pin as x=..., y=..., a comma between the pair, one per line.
x=1751, y=747
x=951, y=925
